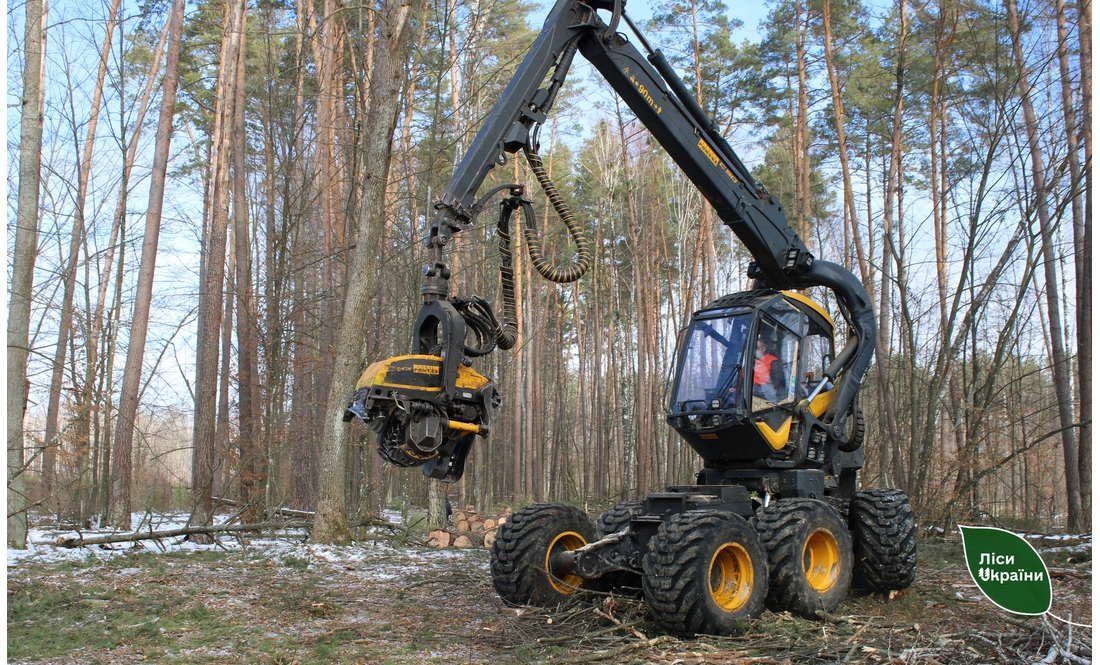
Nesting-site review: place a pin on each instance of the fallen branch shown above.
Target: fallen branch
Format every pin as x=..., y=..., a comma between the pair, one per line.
x=79, y=540
x=1068, y=572
x=573, y=638
x=285, y=512
x=608, y=654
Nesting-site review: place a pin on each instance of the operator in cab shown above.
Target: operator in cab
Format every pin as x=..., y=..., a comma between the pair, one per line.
x=767, y=374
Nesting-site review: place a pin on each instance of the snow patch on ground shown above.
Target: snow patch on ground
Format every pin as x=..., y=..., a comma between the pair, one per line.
x=42, y=542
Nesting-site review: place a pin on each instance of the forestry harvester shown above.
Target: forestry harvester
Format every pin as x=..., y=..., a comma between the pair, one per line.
x=776, y=517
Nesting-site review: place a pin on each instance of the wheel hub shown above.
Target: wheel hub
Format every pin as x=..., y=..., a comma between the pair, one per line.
x=731, y=577
x=561, y=579
x=821, y=560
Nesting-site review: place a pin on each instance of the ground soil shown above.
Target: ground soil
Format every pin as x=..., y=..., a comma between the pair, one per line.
x=389, y=600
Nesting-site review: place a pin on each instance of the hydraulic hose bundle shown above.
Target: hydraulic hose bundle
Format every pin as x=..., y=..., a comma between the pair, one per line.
x=476, y=311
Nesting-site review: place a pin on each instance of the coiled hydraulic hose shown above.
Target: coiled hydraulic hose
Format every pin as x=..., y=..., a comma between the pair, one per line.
x=531, y=235
x=507, y=333
x=477, y=312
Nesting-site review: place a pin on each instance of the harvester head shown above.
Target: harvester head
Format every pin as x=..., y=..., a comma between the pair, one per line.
x=417, y=421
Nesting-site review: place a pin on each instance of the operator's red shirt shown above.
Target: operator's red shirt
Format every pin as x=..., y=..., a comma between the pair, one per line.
x=762, y=372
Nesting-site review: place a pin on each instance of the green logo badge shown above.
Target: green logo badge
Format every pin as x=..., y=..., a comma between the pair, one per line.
x=1007, y=569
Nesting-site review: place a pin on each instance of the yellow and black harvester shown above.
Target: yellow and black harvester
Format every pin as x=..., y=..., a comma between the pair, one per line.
x=776, y=516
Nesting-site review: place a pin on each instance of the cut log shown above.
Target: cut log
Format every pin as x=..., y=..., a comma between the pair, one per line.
x=439, y=538
x=462, y=525
x=463, y=541
x=457, y=516
x=471, y=509
x=490, y=538
x=490, y=524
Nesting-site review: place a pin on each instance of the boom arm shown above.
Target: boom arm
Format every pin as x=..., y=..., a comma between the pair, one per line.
x=674, y=118
x=663, y=104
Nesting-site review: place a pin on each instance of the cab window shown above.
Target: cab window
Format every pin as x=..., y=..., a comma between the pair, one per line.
x=819, y=353
x=710, y=368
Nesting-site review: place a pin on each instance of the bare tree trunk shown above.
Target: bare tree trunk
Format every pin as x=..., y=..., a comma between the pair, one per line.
x=437, y=504
x=252, y=459
x=213, y=279
x=802, y=125
x=1084, y=261
x=222, y=439
x=26, y=247
x=102, y=492
x=118, y=510
x=1053, y=299
x=1082, y=243
x=643, y=433
x=886, y=401
x=842, y=143
x=331, y=522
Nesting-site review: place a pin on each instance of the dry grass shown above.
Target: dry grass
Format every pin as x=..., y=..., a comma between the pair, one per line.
x=379, y=603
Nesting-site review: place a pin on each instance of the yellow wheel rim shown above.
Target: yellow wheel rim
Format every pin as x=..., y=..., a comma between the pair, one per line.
x=821, y=560
x=731, y=577
x=564, y=542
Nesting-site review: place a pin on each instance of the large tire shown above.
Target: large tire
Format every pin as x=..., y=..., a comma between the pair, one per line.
x=885, y=539
x=809, y=555
x=520, y=557
x=705, y=572
x=617, y=517
x=613, y=520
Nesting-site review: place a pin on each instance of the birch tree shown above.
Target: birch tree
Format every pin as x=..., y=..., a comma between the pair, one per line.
x=26, y=247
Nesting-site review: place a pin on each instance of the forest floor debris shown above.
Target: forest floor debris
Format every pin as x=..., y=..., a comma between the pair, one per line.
x=285, y=601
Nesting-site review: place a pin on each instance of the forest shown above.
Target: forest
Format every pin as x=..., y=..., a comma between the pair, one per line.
x=204, y=197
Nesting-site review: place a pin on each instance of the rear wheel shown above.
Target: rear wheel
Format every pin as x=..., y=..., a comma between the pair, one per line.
x=611, y=521
x=617, y=517
x=886, y=539
x=705, y=572
x=809, y=555
x=521, y=555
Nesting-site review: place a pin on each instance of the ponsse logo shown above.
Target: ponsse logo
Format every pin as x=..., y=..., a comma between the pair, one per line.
x=426, y=369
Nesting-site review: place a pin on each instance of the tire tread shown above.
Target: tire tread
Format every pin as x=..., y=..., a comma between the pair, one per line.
x=885, y=539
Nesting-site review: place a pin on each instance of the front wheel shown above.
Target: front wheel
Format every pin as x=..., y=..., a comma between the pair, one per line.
x=809, y=555
x=706, y=572
x=521, y=555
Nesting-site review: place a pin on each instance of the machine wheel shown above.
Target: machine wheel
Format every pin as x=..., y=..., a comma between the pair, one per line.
x=520, y=560
x=809, y=555
x=613, y=520
x=840, y=505
x=706, y=572
x=885, y=539
x=856, y=431
x=617, y=517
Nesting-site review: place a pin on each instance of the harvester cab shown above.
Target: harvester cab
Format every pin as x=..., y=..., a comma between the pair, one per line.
x=755, y=374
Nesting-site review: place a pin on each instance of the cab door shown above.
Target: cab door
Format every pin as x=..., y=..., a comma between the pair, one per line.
x=775, y=365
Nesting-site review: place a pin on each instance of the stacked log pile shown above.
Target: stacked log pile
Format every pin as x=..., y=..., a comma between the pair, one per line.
x=468, y=529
